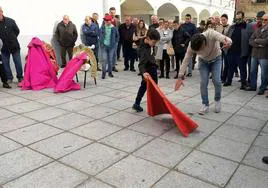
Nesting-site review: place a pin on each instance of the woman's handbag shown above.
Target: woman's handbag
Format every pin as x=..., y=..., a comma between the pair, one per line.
x=170, y=50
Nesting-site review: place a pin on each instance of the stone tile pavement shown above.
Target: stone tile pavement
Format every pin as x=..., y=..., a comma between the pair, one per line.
x=92, y=138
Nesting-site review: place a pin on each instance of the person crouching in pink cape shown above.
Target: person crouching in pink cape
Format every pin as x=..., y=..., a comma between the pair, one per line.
x=66, y=82
x=39, y=72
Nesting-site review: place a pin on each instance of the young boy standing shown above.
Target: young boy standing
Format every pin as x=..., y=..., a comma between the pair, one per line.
x=2, y=72
x=147, y=65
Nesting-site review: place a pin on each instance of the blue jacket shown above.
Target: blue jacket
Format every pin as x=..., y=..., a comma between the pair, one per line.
x=91, y=34
x=190, y=28
x=114, y=37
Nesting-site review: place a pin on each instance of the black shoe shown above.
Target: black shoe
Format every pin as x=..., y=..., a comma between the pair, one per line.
x=265, y=160
x=260, y=92
x=62, y=66
x=114, y=69
x=161, y=76
x=98, y=69
x=137, y=108
x=6, y=85
x=250, y=89
x=176, y=77
x=189, y=75
x=20, y=80
x=132, y=70
x=125, y=69
x=139, y=74
x=243, y=87
x=226, y=84
x=111, y=75
x=167, y=77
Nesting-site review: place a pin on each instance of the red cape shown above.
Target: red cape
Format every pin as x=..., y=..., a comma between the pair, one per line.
x=157, y=103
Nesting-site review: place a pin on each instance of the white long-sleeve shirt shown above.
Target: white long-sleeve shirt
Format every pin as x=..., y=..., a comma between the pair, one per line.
x=209, y=52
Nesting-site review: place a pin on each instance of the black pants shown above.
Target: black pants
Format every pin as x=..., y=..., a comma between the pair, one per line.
x=165, y=60
x=234, y=61
x=129, y=55
x=63, y=54
x=179, y=59
x=3, y=74
x=194, y=60
x=225, y=67
x=153, y=72
x=118, y=50
x=96, y=53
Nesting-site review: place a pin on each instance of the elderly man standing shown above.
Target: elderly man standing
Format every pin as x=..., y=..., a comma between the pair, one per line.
x=259, y=42
x=155, y=23
x=9, y=32
x=66, y=35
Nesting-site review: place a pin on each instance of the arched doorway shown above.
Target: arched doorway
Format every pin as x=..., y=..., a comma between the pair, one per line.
x=190, y=10
x=216, y=14
x=168, y=11
x=204, y=15
x=141, y=9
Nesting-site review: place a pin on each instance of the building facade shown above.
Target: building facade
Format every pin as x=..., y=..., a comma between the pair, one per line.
x=39, y=18
x=251, y=7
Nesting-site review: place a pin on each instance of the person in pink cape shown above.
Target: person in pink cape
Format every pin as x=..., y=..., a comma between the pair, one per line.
x=39, y=72
x=66, y=82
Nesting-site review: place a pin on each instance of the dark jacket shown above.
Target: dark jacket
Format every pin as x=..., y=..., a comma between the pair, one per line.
x=114, y=37
x=9, y=32
x=126, y=34
x=180, y=36
x=190, y=28
x=154, y=26
x=66, y=35
x=240, y=34
x=146, y=57
x=91, y=34
x=259, y=42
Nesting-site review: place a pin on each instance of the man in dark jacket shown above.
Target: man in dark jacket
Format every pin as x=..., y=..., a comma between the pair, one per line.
x=190, y=28
x=66, y=35
x=155, y=23
x=259, y=42
x=9, y=32
x=179, y=42
x=126, y=31
x=91, y=33
x=238, y=54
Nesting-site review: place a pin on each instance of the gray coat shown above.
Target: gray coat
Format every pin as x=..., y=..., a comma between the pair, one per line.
x=245, y=35
x=163, y=40
x=259, y=42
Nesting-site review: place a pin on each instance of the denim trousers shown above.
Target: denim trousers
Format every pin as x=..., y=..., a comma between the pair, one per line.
x=254, y=73
x=108, y=58
x=17, y=61
x=205, y=67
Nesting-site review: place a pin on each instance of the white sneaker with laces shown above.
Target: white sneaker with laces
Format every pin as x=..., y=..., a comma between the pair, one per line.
x=217, y=106
x=204, y=110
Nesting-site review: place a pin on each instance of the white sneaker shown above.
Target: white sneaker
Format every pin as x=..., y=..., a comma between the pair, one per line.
x=217, y=106
x=204, y=110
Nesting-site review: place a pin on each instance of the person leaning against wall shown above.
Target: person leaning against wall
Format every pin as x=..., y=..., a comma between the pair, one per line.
x=66, y=34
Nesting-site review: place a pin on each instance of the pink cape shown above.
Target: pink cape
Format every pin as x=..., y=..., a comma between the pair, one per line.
x=66, y=82
x=39, y=73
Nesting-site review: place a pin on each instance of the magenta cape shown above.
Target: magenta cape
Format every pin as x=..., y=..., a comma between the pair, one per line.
x=66, y=82
x=39, y=73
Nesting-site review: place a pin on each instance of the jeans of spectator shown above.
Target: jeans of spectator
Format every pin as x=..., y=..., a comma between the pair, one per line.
x=17, y=61
x=2, y=73
x=254, y=73
x=96, y=53
x=249, y=68
x=143, y=87
x=118, y=50
x=114, y=56
x=108, y=59
x=205, y=67
x=234, y=61
x=69, y=50
x=179, y=58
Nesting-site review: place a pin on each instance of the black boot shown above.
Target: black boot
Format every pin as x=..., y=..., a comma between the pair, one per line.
x=6, y=85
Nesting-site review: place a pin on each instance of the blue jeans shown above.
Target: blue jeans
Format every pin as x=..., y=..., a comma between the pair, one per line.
x=115, y=55
x=17, y=61
x=205, y=67
x=254, y=73
x=108, y=59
